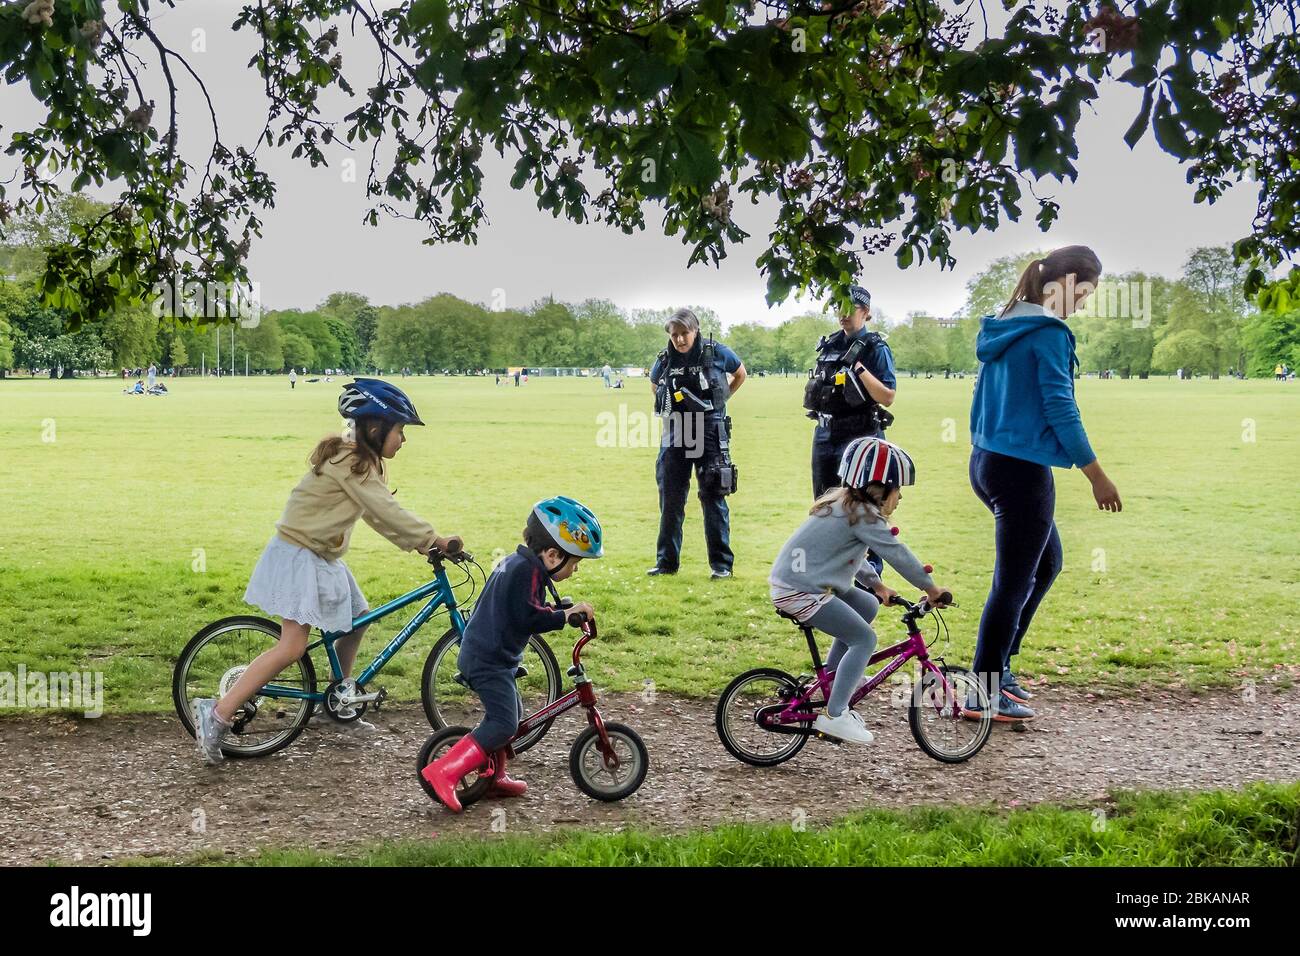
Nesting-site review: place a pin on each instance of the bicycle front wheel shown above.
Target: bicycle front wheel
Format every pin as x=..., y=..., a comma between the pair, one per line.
x=449, y=703
x=935, y=715
x=214, y=659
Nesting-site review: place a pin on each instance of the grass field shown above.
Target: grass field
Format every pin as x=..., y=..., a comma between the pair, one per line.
x=129, y=522
x=1253, y=827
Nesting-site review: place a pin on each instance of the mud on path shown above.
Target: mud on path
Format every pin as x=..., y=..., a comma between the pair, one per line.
x=95, y=791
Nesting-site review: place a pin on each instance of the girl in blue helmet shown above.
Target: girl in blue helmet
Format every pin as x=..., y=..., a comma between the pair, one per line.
x=559, y=534
x=300, y=576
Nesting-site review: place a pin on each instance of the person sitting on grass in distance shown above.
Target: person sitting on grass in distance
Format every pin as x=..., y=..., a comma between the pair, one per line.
x=559, y=534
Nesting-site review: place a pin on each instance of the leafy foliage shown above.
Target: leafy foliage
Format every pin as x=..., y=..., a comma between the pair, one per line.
x=872, y=125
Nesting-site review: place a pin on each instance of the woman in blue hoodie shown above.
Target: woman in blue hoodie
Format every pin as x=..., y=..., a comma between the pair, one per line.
x=1023, y=421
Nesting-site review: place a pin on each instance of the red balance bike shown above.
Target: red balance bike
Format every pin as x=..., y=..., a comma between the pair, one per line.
x=608, y=761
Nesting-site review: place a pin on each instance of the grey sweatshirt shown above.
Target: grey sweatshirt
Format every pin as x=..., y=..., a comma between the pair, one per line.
x=826, y=552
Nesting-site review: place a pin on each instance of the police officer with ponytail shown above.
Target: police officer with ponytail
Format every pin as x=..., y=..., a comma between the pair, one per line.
x=692, y=380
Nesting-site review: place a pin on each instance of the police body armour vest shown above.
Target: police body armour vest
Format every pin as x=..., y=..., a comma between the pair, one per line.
x=694, y=387
x=833, y=387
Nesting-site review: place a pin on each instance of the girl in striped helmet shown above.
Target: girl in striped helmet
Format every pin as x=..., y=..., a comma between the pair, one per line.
x=812, y=579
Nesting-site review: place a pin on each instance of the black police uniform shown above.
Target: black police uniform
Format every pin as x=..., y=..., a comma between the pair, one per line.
x=838, y=401
x=692, y=393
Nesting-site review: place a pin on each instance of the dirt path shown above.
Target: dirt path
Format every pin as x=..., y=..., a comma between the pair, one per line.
x=99, y=790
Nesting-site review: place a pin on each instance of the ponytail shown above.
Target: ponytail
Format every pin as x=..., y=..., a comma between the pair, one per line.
x=365, y=444
x=1078, y=261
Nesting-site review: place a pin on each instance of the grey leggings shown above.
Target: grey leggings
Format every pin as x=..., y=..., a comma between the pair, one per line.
x=847, y=618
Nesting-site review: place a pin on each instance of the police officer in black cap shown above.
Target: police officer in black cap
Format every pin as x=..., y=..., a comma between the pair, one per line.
x=849, y=391
x=692, y=380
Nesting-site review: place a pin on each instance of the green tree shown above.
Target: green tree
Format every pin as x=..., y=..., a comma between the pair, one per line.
x=364, y=323
x=852, y=117
x=755, y=343
x=795, y=346
x=959, y=345
x=264, y=345
x=177, y=355
x=326, y=352
x=6, y=348
x=350, y=355
x=919, y=344
x=1271, y=339
x=297, y=351
x=132, y=337
x=989, y=289
x=1207, y=308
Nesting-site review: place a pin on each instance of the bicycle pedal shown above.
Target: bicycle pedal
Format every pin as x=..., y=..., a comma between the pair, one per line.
x=383, y=696
x=827, y=737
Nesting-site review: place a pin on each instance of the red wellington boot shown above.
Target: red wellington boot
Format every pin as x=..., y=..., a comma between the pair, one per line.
x=445, y=772
x=503, y=785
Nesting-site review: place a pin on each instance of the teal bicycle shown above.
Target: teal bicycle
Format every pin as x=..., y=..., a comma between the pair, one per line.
x=218, y=654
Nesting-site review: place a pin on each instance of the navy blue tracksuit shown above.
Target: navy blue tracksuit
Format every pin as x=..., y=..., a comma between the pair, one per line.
x=511, y=608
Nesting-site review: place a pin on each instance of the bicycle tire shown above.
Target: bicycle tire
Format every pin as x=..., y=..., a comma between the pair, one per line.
x=181, y=679
x=428, y=692
x=735, y=747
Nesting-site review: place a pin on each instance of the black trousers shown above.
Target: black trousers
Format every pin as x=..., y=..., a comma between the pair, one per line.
x=673, y=474
x=1022, y=497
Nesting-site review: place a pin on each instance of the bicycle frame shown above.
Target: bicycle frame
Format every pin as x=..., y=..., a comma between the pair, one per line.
x=801, y=710
x=582, y=695
x=440, y=594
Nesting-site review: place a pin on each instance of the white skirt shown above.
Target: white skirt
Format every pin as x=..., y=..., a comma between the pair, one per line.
x=294, y=582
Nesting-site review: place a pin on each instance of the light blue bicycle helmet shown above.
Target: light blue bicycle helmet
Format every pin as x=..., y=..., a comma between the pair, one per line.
x=572, y=526
x=375, y=398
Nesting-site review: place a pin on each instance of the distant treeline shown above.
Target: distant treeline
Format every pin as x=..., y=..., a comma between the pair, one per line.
x=1199, y=322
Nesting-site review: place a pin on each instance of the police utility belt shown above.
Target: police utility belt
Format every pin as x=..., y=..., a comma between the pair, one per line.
x=701, y=390
x=835, y=395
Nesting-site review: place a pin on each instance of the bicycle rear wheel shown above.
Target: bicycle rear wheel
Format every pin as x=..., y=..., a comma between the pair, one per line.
x=935, y=715
x=471, y=788
x=449, y=703
x=738, y=712
x=211, y=663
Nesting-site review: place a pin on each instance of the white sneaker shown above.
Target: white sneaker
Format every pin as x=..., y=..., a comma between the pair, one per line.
x=848, y=727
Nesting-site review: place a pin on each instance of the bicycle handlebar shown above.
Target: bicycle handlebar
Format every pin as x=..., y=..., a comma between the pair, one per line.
x=923, y=606
x=454, y=552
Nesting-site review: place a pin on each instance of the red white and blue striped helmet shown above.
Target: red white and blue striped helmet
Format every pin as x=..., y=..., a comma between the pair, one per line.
x=874, y=459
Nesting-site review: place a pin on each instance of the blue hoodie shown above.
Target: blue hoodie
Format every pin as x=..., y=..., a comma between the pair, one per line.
x=1024, y=399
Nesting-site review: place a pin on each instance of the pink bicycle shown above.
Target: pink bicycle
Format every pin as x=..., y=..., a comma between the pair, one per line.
x=765, y=716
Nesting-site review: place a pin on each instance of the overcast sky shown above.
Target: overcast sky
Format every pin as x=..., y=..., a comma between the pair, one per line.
x=1133, y=207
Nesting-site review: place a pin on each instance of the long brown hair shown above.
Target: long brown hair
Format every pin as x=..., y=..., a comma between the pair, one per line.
x=857, y=503
x=365, y=445
x=1079, y=261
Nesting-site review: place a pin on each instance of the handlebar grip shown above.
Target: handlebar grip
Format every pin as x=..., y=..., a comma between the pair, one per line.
x=945, y=597
x=577, y=619
x=455, y=546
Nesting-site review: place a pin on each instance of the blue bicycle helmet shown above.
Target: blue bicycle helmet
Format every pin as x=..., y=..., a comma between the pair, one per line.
x=571, y=525
x=375, y=398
